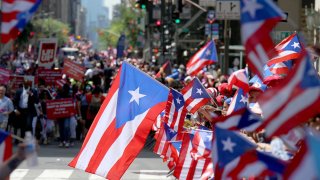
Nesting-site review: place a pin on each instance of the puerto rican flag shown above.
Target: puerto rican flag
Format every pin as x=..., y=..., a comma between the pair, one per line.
x=279, y=68
x=15, y=16
x=258, y=17
x=166, y=134
x=165, y=68
x=175, y=111
x=239, y=79
x=293, y=101
x=242, y=119
x=239, y=101
x=175, y=147
x=5, y=146
x=122, y=125
x=288, y=49
x=187, y=167
x=256, y=164
x=195, y=95
x=205, y=56
x=303, y=165
x=202, y=144
x=227, y=147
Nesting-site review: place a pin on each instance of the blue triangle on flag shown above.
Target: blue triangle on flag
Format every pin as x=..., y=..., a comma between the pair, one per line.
x=230, y=145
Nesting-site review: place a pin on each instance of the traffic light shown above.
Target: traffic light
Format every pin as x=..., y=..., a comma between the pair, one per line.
x=142, y=4
x=158, y=22
x=176, y=17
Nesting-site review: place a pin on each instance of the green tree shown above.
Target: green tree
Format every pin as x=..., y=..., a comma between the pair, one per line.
x=49, y=27
x=126, y=22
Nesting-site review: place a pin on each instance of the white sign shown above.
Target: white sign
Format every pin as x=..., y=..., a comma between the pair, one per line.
x=47, y=52
x=228, y=10
x=207, y=3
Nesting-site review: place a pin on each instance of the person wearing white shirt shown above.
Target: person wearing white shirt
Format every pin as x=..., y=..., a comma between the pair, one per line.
x=6, y=107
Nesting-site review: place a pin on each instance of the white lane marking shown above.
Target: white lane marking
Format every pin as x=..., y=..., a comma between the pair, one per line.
x=55, y=174
x=18, y=174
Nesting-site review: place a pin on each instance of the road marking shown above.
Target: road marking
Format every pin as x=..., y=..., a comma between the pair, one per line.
x=57, y=174
x=153, y=174
x=18, y=174
x=95, y=177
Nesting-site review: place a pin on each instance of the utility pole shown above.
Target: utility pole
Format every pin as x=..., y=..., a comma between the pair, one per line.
x=226, y=47
x=163, y=10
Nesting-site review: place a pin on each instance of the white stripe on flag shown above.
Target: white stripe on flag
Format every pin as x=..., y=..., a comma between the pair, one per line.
x=297, y=104
x=199, y=168
x=281, y=97
x=196, y=66
x=248, y=29
x=117, y=148
x=187, y=163
x=230, y=122
x=16, y=6
x=194, y=103
x=305, y=169
x=7, y=26
x=105, y=120
x=253, y=169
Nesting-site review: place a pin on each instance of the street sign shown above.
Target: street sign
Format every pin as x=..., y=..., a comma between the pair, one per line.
x=228, y=10
x=207, y=3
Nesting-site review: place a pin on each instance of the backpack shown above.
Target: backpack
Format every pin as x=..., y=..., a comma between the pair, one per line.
x=93, y=107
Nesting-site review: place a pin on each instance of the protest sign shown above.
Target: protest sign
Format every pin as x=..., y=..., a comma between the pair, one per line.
x=49, y=76
x=47, y=52
x=4, y=76
x=73, y=70
x=60, y=108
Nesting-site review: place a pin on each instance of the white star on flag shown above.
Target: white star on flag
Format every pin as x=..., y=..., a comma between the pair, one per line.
x=208, y=53
x=243, y=99
x=178, y=101
x=295, y=45
x=251, y=7
x=199, y=91
x=228, y=145
x=136, y=96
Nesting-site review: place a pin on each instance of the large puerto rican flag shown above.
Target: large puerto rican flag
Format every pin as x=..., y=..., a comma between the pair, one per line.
x=122, y=124
x=205, y=56
x=258, y=17
x=292, y=102
x=15, y=16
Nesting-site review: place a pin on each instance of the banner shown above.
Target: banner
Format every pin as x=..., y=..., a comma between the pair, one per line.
x=49, y=76
x=73, y=70
x=47, y=52
x=60, y=108
x=4, y=76
x=16, y=81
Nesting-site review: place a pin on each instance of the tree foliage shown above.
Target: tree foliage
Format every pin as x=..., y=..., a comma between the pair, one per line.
x=126, y=22
x=49, y=27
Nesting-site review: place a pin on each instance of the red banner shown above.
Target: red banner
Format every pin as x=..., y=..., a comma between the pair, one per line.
x=16, y=81
x=73, y=70
x=47, y=52
x=60, y=108
x=49, y=76
x=4, y=76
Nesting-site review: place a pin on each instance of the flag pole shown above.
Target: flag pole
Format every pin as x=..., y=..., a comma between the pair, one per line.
x=17, y=137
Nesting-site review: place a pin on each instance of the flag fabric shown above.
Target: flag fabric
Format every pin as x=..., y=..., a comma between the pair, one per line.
x=227, y=147
x=293, y=138
x=257, y=164
x=242, y=119
x=166, y=68
x=314, y=146
x=15, y=16
x=195, y=95
x=293, y=101
x=239, y=79
x=157, y=124
x=288, y=49
x=201, y=144
x=205, y=56
x=258, y=17
x=122, y=124
x=257, y=84
x=279, y=68
x=187, y=167
x=302, y=166
x=166, y=134
x=239, y=100
x=5, y=146
x=175, y=147
x=175, y=111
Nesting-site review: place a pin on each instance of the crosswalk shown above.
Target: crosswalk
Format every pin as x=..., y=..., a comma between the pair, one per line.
x=63, y=174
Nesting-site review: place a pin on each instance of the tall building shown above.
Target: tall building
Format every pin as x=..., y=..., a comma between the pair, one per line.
x=97, y=18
